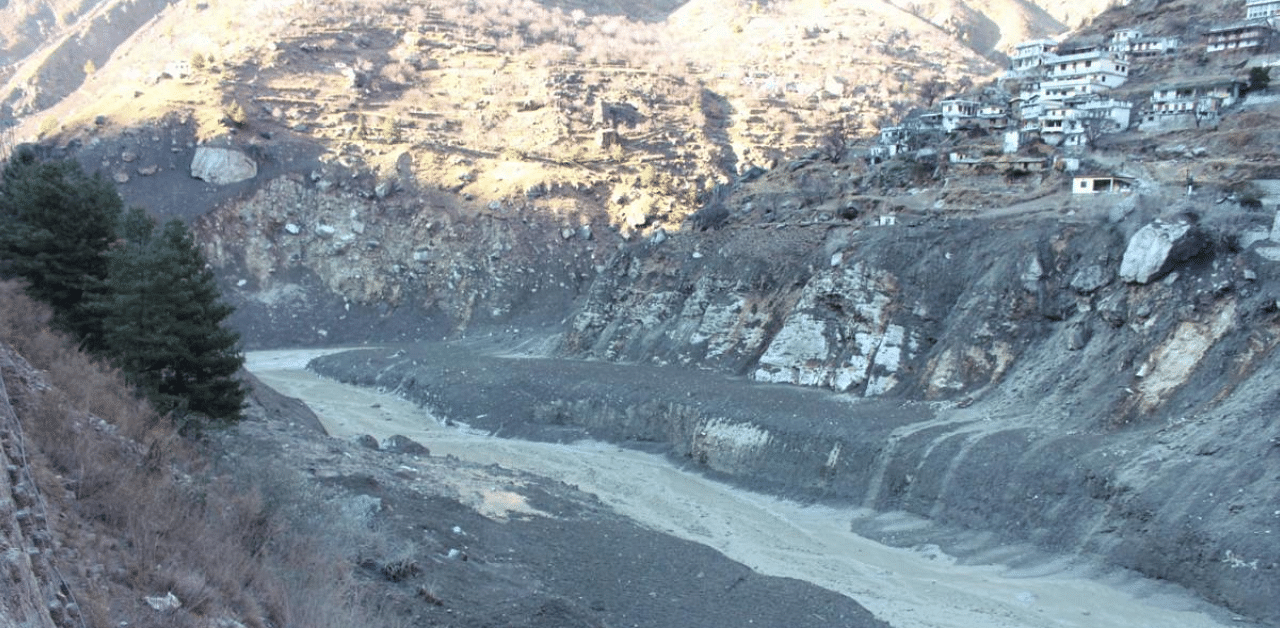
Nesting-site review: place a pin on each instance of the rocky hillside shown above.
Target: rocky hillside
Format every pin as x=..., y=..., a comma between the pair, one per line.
x=627, y=115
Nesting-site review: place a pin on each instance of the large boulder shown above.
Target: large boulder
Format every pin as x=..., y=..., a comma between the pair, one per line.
x=221, y=166
x=1157, y=247
x=399, y=444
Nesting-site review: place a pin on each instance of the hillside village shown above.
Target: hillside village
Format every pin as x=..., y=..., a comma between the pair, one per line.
x=1059, y=98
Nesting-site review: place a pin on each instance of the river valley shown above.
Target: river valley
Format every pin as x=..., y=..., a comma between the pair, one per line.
x=916, y=587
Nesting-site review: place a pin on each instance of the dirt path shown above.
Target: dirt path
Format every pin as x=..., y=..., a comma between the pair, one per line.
x=921, y=588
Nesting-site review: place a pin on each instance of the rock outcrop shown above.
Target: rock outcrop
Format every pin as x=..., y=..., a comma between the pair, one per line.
x=222, y=166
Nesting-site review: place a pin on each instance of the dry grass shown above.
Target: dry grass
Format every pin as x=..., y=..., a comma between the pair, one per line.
x=139, y=510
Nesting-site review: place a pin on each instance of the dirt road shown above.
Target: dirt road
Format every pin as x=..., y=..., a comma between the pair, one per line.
x=921, y=588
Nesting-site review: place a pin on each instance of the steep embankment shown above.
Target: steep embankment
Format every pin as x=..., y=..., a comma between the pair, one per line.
x=997, y=374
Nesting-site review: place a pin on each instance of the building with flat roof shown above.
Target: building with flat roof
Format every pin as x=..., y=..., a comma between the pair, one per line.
x=1251, y=37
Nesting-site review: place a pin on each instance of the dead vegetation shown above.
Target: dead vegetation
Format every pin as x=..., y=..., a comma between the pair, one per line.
x=134, y=510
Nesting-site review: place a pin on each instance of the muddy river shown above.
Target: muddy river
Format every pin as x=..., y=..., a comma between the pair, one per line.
x=909, y=588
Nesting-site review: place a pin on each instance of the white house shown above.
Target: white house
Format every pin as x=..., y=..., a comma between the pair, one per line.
x=1133, y=43
x=892, y=140
x=1120, y=39
x=1030, y=106
x=1029, y=56
x=991, y=111
x=1101, y=184
x=1190, y=103
x=1083, y=73
x=1152, y=46
x=1058, y=123
x=956, y=111
x=1100, y=67
x=1113, y=115
x=1261, y=9
x=1077, y=121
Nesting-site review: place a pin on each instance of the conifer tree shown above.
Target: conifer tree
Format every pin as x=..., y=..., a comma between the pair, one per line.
x=56, y=224
x=163, y=320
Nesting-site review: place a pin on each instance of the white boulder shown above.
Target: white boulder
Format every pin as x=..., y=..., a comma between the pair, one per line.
x=163, y=603
x=1156, y=247
x=222, y=166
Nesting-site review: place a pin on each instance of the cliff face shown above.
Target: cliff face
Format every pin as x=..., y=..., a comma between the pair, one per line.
x=304, y=266
x=936, y=309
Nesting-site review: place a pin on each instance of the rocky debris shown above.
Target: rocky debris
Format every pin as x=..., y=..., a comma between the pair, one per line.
x=368, y=442
x=222, y=166
x=163, y=603
x=1078, y=336
x=121, y=177
x=1032, y=273
x=1157, y=247
x=398, y=444
x=147, y=171
x=1089, y=279
x=1269, y=253
x=24, y=563
x=635, y=216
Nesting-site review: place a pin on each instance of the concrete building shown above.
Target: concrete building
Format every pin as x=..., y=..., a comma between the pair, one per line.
x=1249, y=37
x=957, y=111
x=1101, y=184
x=1261, y=9
x=1089, y=72
x=1190, y=104
x=1152, y=46
x=1029, y=57
x=1120, y=39
x=1112, y=115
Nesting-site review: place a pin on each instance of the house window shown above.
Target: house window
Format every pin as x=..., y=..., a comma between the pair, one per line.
x=1084, y=184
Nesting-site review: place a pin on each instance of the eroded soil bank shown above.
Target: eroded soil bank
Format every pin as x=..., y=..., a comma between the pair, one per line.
x=983, y=468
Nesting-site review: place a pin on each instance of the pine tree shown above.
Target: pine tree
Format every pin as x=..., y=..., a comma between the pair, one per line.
x=56, y=224
x=163, y=323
